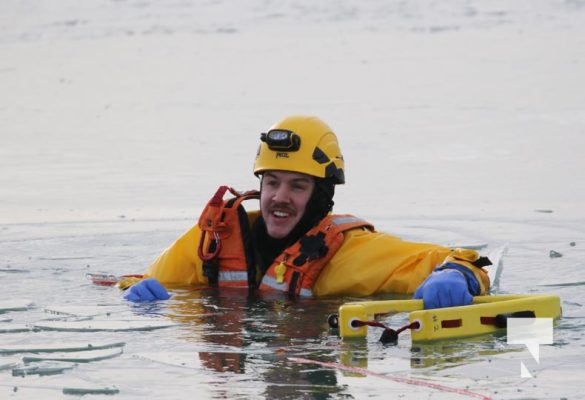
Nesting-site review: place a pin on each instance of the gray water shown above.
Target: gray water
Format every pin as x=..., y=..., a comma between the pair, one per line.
x=462, y=123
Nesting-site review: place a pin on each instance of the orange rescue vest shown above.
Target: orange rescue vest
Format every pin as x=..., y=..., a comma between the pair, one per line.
x=225, y=249
x=298, y=267
x=224, y=235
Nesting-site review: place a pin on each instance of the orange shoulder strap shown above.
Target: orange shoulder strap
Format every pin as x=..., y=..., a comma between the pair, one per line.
x=300, y=264
x=221, y=232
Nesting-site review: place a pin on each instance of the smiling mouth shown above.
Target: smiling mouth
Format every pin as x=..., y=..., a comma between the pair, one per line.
x=281, y=213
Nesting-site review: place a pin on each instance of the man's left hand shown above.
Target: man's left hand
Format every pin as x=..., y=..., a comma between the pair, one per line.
x=444, y=288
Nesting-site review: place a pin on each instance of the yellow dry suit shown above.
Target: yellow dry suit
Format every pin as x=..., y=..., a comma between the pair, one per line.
x=342, y=255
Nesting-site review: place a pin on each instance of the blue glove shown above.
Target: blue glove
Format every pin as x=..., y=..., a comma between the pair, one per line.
x=450, y=285
x=147, y=290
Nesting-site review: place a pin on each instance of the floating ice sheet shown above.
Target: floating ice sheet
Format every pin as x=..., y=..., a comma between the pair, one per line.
x=76, y=357
x=495, y=270
x=14, y=328
x=41, y=370
x=8, y=362
x=58, y=347
x=103, y=325
x=84, y=391
x=85, y=311
x=178, y=359
x=15, y=305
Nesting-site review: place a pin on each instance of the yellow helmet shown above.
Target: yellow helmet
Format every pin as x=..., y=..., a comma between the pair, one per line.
x=302, y=144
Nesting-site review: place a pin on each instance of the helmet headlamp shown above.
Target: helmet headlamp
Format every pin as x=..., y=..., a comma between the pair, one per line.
x=281, y=140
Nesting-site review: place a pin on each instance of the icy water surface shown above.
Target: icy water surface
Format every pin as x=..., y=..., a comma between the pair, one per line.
x=221, y=345
x=461, y=123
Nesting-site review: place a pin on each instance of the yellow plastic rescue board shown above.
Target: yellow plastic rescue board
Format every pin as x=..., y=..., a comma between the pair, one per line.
x=487, y=314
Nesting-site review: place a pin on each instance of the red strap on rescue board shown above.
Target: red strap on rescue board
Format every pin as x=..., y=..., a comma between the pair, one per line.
x=409, y=381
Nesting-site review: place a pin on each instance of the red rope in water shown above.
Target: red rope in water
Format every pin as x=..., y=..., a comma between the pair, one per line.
x=409, y=381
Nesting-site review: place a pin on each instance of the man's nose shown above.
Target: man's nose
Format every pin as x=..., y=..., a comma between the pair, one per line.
x=282, y=194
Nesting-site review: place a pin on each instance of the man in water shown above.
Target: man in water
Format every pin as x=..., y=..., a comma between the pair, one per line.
x=295, y=245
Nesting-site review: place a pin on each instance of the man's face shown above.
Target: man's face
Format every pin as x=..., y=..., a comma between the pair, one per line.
x=283, y=200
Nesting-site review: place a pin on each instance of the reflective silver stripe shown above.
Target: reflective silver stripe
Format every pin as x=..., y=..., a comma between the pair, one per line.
x=270, y=281
x=233, y=276
x=282, y=287
x=346, y=220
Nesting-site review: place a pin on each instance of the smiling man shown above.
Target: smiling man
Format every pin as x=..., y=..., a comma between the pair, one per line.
x=297, y=246
x=284, y=199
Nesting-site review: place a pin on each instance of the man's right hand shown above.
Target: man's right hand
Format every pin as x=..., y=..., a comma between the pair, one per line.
x=147, y=290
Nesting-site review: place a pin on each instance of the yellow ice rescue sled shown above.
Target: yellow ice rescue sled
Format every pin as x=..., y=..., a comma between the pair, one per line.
x=487, y=314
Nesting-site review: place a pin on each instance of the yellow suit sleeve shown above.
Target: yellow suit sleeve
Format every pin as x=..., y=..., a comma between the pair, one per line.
x=466, y=258
x=180, y=263
x=371, y=263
